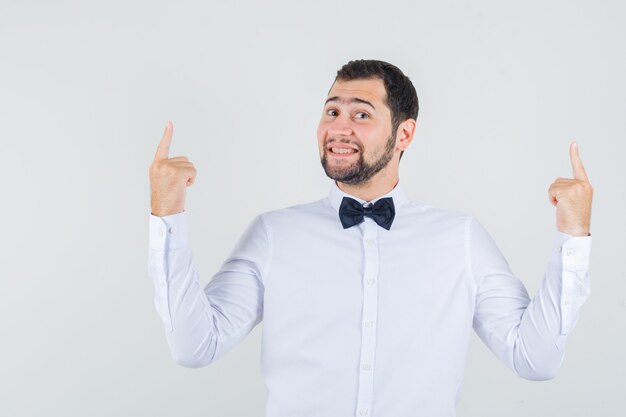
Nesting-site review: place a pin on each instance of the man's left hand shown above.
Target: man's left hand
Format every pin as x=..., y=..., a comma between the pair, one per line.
x=572, y=198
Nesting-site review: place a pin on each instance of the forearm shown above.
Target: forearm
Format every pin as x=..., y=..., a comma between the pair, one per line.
x=179, y=298
x=554, y=310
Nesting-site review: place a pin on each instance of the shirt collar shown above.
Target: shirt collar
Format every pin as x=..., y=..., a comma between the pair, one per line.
x=336, y=195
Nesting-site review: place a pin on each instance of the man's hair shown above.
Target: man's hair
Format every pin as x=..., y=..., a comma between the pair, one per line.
x=401, y=95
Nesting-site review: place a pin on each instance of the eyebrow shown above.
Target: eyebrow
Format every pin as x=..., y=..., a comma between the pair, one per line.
x=352, y=100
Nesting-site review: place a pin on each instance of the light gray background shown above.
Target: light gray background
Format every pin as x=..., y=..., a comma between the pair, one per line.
x=86, y=88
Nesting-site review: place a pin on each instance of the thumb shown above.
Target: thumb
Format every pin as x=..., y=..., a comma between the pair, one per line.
x=163, y=150
x=577, y=164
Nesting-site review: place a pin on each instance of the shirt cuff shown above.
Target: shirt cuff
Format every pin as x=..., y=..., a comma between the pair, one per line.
x=169, y=232
x=574, y=250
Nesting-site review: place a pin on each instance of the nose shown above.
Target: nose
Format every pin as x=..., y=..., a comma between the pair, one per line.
x=340, y=127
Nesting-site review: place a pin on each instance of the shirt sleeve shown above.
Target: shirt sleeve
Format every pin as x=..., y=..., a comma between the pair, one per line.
x=203, y=324
x=528, y=335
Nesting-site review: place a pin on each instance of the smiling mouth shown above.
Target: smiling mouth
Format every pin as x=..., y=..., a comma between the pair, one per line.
x=343, y=151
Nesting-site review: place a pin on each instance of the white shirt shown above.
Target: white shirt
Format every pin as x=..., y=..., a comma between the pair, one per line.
x=365, y=321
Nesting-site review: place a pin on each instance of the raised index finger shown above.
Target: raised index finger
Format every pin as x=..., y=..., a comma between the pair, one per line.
x=163, y=150
x=577, y=164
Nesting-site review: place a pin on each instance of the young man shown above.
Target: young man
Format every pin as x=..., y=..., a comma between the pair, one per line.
x=367, y=297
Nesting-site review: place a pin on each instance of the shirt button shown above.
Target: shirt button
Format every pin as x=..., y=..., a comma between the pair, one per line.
x=369, y=323
x=370, y=242
x=160, y=232
x=367, y=367
x=172, y=230
x=370, y=281
x=569, y=252
x=363, y=412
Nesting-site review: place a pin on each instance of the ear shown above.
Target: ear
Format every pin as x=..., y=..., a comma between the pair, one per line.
x=404, y=135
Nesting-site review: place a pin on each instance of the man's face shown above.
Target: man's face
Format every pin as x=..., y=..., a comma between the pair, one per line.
x=354, y=135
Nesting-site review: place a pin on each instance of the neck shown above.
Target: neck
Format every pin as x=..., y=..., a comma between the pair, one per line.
x=380, y=184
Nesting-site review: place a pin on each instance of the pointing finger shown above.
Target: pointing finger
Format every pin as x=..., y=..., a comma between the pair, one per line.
x=577, y=164
x=163, y=150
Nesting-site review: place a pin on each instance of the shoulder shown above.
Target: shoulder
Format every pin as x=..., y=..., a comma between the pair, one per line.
x=439, y=217
x=300, y=214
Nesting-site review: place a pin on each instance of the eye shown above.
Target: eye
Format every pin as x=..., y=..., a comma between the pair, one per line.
x=362, y=115
x=331, y=112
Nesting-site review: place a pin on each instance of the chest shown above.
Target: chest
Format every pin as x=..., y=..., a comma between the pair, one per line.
x=414, y=272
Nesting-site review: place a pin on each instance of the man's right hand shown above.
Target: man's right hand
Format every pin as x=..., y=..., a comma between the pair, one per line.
x=169, y=178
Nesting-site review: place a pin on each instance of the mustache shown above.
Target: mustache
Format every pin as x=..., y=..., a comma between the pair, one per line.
x=346, y=141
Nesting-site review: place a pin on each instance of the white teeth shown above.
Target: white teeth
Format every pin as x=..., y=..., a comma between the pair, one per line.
x=342, y=150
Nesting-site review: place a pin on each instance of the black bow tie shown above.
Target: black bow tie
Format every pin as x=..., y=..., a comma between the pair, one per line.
x=352, y=212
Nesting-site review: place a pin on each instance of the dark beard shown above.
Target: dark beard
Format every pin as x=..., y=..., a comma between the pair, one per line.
x=361, y=172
